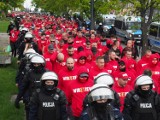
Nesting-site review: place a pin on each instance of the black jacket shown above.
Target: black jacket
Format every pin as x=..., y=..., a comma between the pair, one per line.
x=48, y=106
x=137, y=107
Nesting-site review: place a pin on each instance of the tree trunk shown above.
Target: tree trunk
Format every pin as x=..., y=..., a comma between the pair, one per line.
x=144, y=39
x=144, y=27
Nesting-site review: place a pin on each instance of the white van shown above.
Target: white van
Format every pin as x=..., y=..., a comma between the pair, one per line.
x=154, y=36
x=128, y=27
x=108, y=21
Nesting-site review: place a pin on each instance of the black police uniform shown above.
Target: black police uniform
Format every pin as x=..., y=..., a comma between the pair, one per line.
x=95, y=112
x=30, y=83
x=23, y=68
x=100, y=29
x=20, y=39
x=10, y=27
x=114, y=105
x=48, y=106
x=22, y=48
x=141, y=107
x=17, y=22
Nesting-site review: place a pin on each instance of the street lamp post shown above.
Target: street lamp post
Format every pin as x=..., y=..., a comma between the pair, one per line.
x=92, y=14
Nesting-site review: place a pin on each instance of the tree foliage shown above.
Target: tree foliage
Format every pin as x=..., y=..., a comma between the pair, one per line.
x=83, y=6
x=146, y=9
x=6, y=5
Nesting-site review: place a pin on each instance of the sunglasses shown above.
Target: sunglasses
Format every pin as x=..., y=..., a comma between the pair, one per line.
x=83, y=77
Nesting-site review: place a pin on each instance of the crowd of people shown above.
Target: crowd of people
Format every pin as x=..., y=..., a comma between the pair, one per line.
x=69, y=72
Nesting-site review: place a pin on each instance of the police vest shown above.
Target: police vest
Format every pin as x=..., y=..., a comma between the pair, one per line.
x=93, y=115
x=34, y=79
x=144, y=106
x=49, y=108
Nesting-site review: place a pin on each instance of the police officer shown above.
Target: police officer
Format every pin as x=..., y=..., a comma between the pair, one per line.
x=50, y=102
x=98, y=108
x=107, y=79
x=100, y=29
x=24, y=66
x=26, y=44
x=10, y=27
x=31, y=81
x=21, y=36
x=17, y=21
x=142, y=103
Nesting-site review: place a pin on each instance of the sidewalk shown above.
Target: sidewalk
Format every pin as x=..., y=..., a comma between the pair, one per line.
x=5, y=57
x=4, y=40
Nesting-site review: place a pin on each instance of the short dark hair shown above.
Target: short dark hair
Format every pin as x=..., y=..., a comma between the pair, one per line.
x=99, y=57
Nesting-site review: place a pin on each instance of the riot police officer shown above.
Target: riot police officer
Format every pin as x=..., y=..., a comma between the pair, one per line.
x=21, y=36
x=24, y=66
x=107, y=79
x=98, y=108
x=142, y=103
x=10, y=27
x=50, y=102
x=26, y=44
x=31, y=81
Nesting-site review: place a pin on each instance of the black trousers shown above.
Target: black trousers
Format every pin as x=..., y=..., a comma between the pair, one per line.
x=13, y=48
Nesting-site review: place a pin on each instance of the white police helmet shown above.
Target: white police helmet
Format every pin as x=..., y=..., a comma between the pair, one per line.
x=49, y=76
x=37, y=59
x=25, y=29
x=32, y=55
x=143, y=80
x=104, y=78
x=29, y=51
x=28, y=35
x=100, y=92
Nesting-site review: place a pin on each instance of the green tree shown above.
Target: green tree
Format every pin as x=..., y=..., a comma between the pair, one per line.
x=146, y=9
x=6, y=5
x=82, y=6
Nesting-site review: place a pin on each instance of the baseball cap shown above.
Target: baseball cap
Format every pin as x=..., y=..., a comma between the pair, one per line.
x=84, y=75
x=50, y=47
x=123, y=75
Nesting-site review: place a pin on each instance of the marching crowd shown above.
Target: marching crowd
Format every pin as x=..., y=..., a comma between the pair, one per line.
x=68, y=72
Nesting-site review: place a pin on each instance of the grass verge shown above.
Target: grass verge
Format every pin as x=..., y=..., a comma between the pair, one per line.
x=4, y=26
x=7, y=89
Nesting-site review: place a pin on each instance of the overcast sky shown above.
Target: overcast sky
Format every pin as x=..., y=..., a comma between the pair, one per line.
x=27, y=3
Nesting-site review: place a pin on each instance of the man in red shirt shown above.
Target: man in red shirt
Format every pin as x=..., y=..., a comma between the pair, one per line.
x=67, y=75
x=79, y=39
x=99, y=67
x=59, y=63
x=13, y=38
x=50, y=57
x=112, y=59
x=77, y=91
x=82, y=60
x=144, y=60
x=70, y=53
x=122, y=68
x=153, y=65
x=42, y=42
x=122, y=88
x=129, y=61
